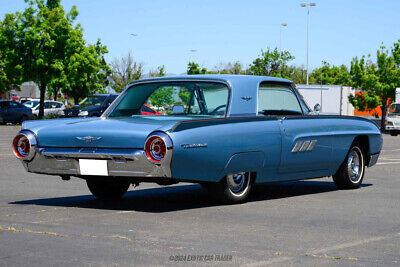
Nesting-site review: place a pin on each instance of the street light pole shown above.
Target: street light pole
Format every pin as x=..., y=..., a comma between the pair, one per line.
x=192, y=53
x=280, y=35
x=308, y=22
x=133, y=50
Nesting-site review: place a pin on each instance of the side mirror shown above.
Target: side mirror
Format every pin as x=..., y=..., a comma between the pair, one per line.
x=178, y=109
x=317, y=108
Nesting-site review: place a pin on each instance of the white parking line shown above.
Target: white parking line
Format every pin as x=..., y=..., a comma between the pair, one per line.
x=355, y=243
x=385, y=163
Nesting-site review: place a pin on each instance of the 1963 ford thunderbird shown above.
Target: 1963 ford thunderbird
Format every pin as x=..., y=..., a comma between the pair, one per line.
x=225, y=132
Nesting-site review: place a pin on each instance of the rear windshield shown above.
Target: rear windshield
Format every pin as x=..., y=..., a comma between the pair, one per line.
x=31, y=104
x=173, y=99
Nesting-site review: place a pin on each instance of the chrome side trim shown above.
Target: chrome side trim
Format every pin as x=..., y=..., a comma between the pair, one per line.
x=312, y=145
x=304, y=146
x=296, y=147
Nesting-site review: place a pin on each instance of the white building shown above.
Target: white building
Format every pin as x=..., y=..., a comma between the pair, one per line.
x=332, y=98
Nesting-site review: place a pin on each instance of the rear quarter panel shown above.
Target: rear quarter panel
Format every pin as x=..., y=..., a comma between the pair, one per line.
x=230, y=147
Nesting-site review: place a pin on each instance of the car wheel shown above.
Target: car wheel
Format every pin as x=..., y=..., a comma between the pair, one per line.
x=107, y=188
x=351, y=172
x=393, y=133
x=233, y=188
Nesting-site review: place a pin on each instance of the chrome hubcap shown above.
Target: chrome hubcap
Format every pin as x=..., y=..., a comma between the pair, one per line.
x=238, y=183
x=354, y=165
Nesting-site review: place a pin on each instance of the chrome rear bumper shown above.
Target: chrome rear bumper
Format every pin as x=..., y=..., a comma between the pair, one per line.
x=120, y=162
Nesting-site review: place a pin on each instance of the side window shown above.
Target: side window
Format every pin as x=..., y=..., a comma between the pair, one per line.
x=47, y=105
x=216, y=100
x=58, y=105
x=13, y=104
x=277, y=99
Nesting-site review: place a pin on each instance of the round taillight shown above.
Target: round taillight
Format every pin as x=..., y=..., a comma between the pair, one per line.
x=155, y=148
x=22, y=146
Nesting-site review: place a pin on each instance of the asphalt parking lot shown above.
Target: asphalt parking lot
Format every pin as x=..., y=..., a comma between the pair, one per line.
x=47, y=221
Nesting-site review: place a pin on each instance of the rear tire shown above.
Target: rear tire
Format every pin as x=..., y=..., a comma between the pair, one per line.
x=107, y=188
x=232, y=189
x=351, y=173
x=393, y=133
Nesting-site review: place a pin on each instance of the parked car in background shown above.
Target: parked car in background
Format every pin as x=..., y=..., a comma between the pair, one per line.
x=13, y=112
x=147, y=110
x=23, y=100
x=50, y=107
x=91, y=106
x=393, y=119
x=226, y=132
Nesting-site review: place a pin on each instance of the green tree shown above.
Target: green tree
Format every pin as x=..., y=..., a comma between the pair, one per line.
x=86, y=70
x=229, y=68
x=44, y=33
x=159, y=72
x=125, y=70
x=299, y=75
x=272, y=63
x=162, y=97
x=184, y=95
x=11, y=70
x=330, y=74
x=194, y=68
x=376, y=80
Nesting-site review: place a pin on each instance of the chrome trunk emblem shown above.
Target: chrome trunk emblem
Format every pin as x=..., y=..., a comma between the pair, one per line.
x=88, y=139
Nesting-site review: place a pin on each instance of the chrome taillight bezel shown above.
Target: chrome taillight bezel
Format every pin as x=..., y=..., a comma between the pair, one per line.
x=166, y=141
x=32, y=145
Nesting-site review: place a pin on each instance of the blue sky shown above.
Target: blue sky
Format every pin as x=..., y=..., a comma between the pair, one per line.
x=223, y=31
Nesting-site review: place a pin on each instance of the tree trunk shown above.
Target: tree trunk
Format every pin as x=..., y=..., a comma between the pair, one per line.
x=42, y=95
x=76, y=100
x=55, y=92
x=383, y=119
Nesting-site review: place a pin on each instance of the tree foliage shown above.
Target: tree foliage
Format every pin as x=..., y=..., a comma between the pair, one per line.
x=11, y=70
x=330, y=74
x=86, y=69
x=377, y=80
x=125, y=70
x=230, y=68
x=42, y=45
x=159, y=72
x=194, y=68
x=272, y=63
x=162, y=97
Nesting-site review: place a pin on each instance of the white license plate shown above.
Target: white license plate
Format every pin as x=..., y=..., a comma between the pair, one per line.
x=93, y=167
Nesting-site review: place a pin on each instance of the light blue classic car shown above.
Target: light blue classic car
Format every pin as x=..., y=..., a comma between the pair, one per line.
x=226, y=132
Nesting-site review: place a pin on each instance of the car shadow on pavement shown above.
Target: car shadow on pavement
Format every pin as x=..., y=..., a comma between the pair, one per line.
x=182, y=197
